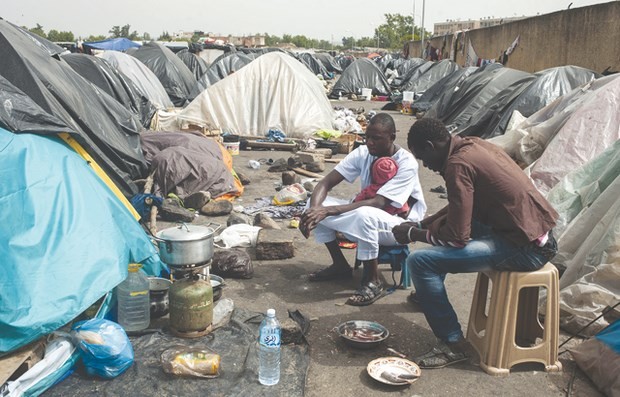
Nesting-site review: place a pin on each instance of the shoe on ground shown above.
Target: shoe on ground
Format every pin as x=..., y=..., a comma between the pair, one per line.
x=445, y=354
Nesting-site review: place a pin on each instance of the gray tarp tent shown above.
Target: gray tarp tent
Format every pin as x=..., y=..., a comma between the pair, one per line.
x=363, y=73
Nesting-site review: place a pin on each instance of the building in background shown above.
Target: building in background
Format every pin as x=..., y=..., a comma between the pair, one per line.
x=451, y=26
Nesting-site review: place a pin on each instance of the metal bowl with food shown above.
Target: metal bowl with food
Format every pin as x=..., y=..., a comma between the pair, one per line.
x=362, y=334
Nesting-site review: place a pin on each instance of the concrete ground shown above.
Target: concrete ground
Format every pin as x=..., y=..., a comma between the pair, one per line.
x=338, y=370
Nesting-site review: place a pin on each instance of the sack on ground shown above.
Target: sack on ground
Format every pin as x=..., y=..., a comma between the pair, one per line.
x=232, y=264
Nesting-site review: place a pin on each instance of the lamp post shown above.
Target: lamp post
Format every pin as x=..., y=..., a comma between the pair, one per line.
x=423, y=5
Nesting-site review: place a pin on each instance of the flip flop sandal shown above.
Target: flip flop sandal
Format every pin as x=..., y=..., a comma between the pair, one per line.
x=347, y=244
x=331, y=273
x=369, y=294
x=440, y=356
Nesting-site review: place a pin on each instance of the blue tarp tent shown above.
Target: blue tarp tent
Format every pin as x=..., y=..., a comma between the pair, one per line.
x=118, y=44
x=65, y=239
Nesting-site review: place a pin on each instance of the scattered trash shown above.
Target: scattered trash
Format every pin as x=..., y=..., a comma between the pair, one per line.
x=181, y=360
x=253, y=164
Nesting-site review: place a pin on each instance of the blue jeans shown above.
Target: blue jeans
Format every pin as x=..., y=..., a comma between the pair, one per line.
x=486, y=251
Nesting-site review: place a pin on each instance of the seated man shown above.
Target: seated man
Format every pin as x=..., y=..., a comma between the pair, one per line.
x=495, y=220
x=365, y=221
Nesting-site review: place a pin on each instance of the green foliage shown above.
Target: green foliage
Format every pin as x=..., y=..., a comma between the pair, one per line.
x=195, y=37
x=99, y=37
x=38, y=30
x=118, y=31
x=165, y=36
x=146, y=37
x=54, y=35
x=396, y=31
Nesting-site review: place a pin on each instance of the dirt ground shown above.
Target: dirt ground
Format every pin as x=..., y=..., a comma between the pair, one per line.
x=338, y=370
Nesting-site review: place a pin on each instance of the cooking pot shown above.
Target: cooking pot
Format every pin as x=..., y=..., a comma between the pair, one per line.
x=186, y=244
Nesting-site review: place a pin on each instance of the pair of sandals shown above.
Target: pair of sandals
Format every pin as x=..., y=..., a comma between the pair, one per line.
x=369, y=293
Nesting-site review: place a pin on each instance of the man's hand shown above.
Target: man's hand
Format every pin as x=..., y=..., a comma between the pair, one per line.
x=401, y=232
x=311, y=218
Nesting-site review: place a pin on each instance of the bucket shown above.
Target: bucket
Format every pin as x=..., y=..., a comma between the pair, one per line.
x=232, y=147
x=367, y=92
x=408, y=96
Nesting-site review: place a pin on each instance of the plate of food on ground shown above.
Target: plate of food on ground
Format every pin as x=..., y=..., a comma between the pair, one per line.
x=393, y=371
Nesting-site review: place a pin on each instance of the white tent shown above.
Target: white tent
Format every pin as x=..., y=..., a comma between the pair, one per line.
x=273, y=91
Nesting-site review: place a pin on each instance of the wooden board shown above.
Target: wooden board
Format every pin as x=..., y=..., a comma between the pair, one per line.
x=16, y=364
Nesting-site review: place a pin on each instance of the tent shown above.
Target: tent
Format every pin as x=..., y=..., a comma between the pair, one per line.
x=363, y=73
x=314, y=65
x=141, y=76
x=116, y=44
x=194, y=63
x=329, y=62
x=224, y=65
x=450, y=83
x=179, y=82
x=274, y=91
x=549, y=85
x=108, y=131
x=423, y=78
x=114, y=83
x=456, y=108
x=62, y=226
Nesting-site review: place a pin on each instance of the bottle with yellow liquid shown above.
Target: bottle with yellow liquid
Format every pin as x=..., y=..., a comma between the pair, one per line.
x=133, y=300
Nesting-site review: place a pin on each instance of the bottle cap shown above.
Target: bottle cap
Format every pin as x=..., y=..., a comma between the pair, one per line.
x=271, y=312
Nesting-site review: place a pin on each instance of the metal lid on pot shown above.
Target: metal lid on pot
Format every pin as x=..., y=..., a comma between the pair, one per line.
x=185, y=232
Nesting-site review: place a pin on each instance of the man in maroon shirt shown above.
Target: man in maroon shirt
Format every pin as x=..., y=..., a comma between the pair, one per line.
x=495, y=220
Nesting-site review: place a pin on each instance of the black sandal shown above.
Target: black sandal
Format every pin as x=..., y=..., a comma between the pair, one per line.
x=369, y=293
x=332, y=272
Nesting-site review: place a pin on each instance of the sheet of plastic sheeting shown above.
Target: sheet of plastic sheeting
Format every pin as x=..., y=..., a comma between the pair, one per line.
x=363, y=73
x=402, y=66
x=589, y=239
x=100, y=124
x=224, y=66
x=114, y=44
x=65, y=239
x=329, y=62
x=421, y=80
x=344, y=61
x=99, y=72
x=451, y=82
x=313, y=64
x=194, y=63
x=411, y=73
x=592, y=126
x=178, y=81
x=236, y=344
x=19, y=112
x=549, y=84
x=184, y=163
x=274, y=91
x=141, y=76
x=481, y=122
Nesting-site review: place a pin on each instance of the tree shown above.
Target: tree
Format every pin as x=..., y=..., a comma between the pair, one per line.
x=54, y=35
x=38, y=30
x=99, y=37
x=146, y=37
x=165, y=36
x=118, y=31
x=396, y=31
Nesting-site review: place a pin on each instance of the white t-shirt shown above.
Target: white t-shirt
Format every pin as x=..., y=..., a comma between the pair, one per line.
x=405, y=183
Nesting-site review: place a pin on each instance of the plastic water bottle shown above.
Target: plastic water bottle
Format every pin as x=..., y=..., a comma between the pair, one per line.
x=269, y=350
x=134, y=312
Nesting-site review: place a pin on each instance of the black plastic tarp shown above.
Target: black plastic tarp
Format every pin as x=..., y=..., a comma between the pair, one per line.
x=549, y=85
x=177, y=79
x=363, y=73
x=234, y=342
x=423, y=78
x=108, y=131
x=408, y=69
x=344, y=61
x=194, y=63
x=99, y=72
x=449, y=83
x=184, y=163
x=224, y=65
x=502, y=91
x=402, y=66
x=314, y=64
x=19, y=113
x=329, y=62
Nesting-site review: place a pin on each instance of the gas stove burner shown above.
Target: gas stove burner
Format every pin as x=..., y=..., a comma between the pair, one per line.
x=191, y=266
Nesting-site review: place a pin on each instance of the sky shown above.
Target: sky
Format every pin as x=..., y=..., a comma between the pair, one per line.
x=319, y=19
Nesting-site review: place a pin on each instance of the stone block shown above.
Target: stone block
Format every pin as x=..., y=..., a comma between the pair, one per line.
x=274, y=244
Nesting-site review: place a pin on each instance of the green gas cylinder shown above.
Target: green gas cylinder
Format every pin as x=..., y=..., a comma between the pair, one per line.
x=191, y=307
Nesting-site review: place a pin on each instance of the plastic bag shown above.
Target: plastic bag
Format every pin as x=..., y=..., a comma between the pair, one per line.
x=182, y=360
x=290, y=194
x=104, y=347
x=239, y=235
x=232, y=264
